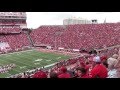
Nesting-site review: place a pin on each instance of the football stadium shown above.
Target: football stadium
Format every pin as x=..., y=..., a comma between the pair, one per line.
x=79, y=48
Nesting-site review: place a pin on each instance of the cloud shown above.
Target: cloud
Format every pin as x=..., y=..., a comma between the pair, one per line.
x=35, y=19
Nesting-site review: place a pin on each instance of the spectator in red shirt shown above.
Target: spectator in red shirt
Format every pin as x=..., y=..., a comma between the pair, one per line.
x=64, y=73
x=104, y=60
x=87, y=67
x=105, y=63
x=84, y=73
x=81, y=73
x=40, y=74
x=99, y=70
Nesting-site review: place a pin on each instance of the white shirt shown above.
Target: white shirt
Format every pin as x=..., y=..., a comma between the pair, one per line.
x=112, y=73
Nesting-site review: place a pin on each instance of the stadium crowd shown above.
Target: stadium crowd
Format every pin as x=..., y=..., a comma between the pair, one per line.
x=84, y=36
x=16, y=41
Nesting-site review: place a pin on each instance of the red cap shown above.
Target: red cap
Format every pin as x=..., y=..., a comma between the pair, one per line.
x=103, y=58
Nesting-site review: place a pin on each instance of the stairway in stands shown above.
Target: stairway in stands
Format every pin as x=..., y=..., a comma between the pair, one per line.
x=30, y=39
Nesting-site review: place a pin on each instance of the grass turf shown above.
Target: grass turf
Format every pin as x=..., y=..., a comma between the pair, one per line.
x=27, y=60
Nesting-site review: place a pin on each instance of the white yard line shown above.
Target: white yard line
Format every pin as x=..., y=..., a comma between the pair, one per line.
x=27, y=61
x=21, y=62
x=49, y=65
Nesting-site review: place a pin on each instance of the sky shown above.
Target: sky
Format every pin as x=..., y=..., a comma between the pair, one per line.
x=36, y=19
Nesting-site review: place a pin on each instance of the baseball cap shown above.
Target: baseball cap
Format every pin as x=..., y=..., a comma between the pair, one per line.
x=96, y=59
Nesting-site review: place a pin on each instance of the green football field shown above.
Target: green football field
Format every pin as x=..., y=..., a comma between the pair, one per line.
x=27, y=60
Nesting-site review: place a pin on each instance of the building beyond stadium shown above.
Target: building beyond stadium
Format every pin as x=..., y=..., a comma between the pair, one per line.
x=73, y=21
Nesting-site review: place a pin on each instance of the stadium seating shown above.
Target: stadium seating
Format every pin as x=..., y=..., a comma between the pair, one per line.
x=17, y=40
x=48, y=35
x=71, y=37
x=84, y=36
x=10, y=29
x=74, y=37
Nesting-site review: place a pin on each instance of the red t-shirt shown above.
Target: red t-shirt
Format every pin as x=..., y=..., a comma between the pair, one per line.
x=85, y=76
x=40, y=74
x=99, y=71
x=87, y=67
x=59, y=73
x=64, y=75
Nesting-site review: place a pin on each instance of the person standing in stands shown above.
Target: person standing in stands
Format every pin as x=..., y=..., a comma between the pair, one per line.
x=64, y=73
x=39, y=74
x=71, y=72
x=84, y=73
x=81, y=73
x=104, y=60
x=53, y=75
x=114, y=68
x=87, y=66
x=111, y=68
x=98, y=69
x=118, y=64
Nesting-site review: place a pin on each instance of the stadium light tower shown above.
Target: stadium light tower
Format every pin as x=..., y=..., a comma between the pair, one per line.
x=13, y=18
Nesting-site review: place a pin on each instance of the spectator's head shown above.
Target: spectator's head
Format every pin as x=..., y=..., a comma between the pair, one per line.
x=96, y=60
x=115, y=56
x=90, y=60
x=81, y=71
x=87, y=63
x=53, y=75
x=112, y=62
x=78, y=71
x=63, y=69
x=93, y=52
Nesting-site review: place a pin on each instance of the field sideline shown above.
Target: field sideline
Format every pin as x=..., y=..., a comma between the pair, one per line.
x=27, y=60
